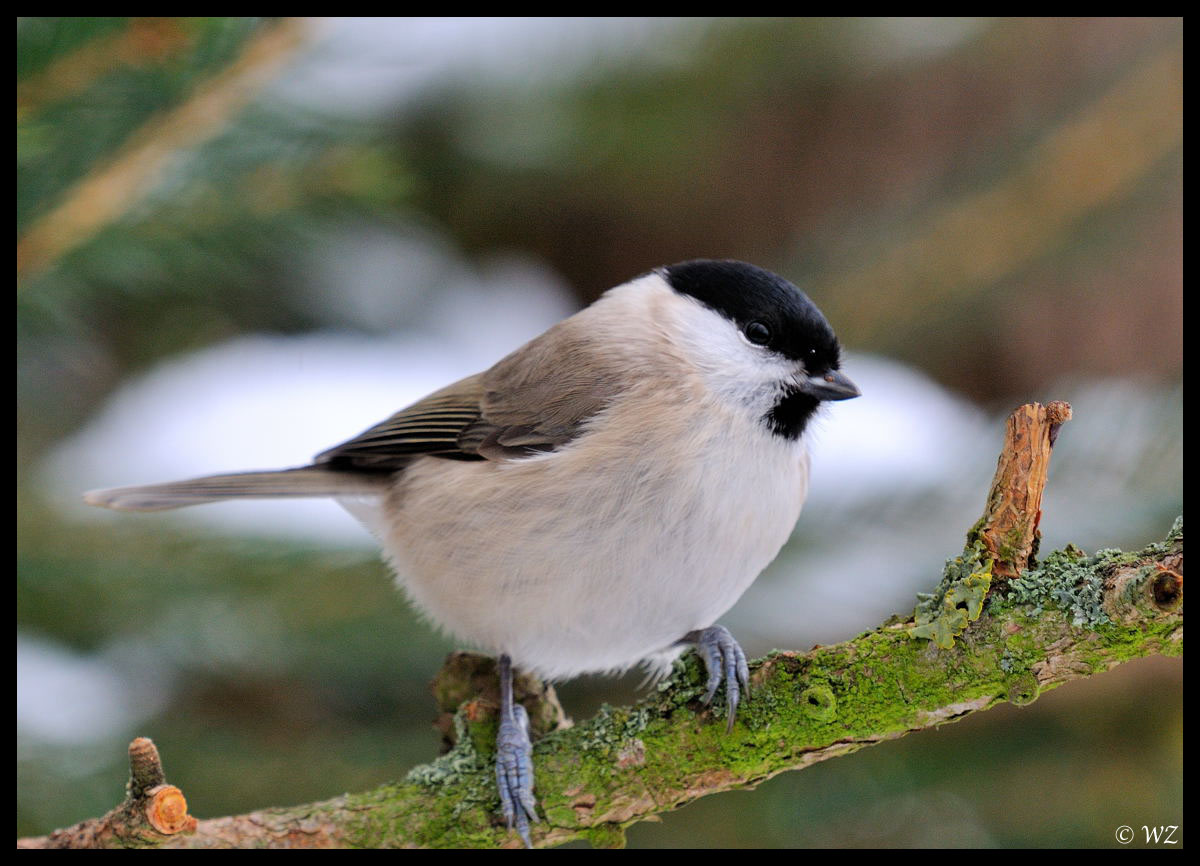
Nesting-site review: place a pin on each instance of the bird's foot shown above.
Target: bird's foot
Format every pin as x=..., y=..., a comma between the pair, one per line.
x=724, y=661
x=514, y=761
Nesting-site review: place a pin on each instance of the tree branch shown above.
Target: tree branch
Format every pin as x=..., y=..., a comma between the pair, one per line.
x=1070, y=617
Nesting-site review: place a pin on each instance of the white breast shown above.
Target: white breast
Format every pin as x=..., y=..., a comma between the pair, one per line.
x=598, y=556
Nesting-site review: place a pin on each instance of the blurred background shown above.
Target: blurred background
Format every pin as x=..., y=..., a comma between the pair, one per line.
x=241, y=241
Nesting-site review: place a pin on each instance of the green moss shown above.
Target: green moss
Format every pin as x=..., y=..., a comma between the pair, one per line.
x=1010, y=663
x=1023, y=690
x=1021, y=650
x=1010, y=544
x=819, y=703
x=975, y=533
x=606, y=836
x=943, y=614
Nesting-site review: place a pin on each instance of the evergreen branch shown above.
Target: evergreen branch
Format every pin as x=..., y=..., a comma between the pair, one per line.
x=109, y=191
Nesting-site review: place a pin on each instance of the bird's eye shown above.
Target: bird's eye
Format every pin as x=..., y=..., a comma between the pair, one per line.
x=758, y=333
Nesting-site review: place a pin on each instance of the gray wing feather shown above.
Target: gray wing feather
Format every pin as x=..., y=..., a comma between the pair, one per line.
x=536, y=399
x=308, y=481
x=431, y=426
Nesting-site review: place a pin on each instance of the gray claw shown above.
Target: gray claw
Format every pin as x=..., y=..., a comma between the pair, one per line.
x=514, y=772
x=514, y=759
x=724, y=660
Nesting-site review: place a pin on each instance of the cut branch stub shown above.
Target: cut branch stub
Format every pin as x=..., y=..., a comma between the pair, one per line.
x=470, y=682
x=145, y=767
x=152, y=811
x=1009, y=526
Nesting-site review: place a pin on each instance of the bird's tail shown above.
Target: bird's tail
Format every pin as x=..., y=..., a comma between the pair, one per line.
x=306, y=481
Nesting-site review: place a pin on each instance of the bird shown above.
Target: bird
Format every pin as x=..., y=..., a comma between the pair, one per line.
x=599, y=497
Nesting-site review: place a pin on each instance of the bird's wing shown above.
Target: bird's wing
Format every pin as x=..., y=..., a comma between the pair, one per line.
x=430, y=426
x=535, y=400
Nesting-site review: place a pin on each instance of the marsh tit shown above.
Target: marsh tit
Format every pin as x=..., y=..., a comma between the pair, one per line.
x=599, y=497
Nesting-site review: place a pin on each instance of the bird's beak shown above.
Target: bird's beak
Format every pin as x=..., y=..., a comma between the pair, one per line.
x=833, y=385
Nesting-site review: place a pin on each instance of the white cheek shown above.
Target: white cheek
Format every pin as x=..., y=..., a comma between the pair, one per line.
x=730, y=363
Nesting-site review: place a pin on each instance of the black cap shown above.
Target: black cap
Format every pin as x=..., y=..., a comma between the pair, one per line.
x=746, y=294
